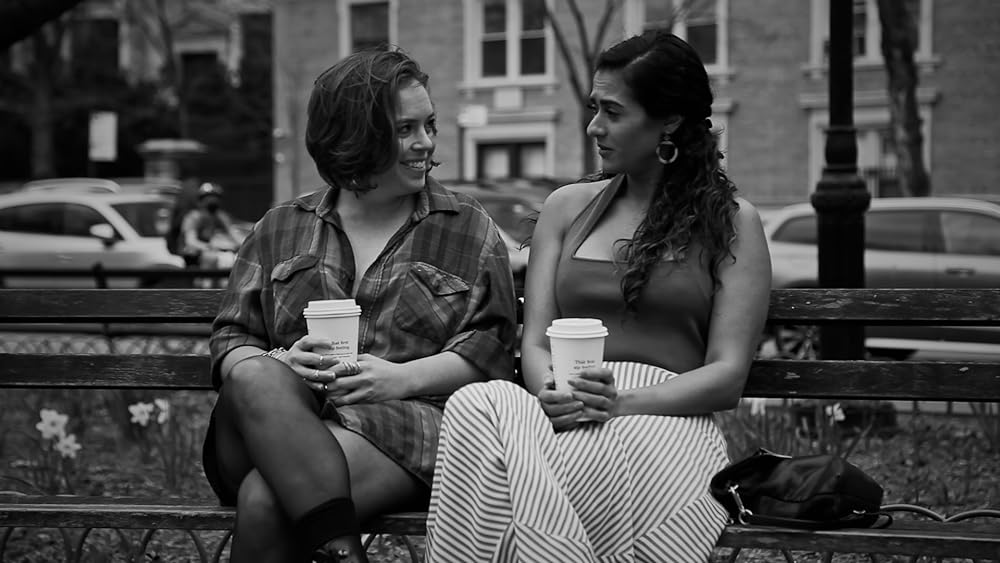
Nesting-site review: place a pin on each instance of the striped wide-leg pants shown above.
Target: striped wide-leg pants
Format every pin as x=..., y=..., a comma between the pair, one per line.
x=635, y=489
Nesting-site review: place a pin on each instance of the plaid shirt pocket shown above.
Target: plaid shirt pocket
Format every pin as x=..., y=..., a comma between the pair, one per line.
x=294, y=282
x=432, y=303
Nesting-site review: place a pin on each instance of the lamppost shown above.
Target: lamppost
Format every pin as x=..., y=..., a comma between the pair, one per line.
x=841, y=196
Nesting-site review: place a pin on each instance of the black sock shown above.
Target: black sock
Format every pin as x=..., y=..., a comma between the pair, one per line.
x=332, y=519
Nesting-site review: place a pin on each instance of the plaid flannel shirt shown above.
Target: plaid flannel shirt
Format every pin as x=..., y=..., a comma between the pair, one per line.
x=443, y=283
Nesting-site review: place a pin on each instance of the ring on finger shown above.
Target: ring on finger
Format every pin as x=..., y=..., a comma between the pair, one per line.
x=325, y=387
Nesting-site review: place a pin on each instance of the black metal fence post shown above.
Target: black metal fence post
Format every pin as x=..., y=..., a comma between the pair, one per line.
x=841, y=196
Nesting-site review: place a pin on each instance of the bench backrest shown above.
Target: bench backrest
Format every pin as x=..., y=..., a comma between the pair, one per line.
x=149, y=311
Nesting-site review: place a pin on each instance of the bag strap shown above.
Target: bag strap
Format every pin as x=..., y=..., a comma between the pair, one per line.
x=857, y=520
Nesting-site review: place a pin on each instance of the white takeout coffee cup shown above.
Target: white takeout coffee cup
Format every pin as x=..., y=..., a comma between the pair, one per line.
x=576, y=344
x=337, y=321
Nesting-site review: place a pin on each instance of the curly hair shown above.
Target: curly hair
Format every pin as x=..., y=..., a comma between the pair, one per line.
x=351, y=127
x=694, y=205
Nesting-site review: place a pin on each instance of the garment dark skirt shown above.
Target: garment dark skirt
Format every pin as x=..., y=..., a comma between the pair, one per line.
x=406, y=431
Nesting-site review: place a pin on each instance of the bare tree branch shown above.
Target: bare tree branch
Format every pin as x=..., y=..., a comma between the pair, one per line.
x=567, y=54
x=602, y=28
x=581, y=28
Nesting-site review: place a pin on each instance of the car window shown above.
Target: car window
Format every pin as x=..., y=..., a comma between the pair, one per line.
x=80, y=218
x=148, y=218
x=970, y=233
x=798, y=230
x=44, y=218
x=900, y=231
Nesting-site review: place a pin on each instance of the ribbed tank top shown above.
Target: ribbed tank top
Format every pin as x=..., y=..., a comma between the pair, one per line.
x=670, y=328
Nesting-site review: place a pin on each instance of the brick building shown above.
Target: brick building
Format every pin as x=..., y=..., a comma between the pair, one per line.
x=506, y=107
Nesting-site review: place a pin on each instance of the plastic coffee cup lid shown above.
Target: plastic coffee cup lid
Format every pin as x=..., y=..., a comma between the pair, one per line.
x=332, y=308
x=576, y=328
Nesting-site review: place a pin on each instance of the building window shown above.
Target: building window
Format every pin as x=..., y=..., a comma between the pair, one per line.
x=510, y=160
x=699, y=22
x=95, y=42
x=876, y=156
x=365, y=24
x=508, y=39
x=867, y=31
x=369, y=25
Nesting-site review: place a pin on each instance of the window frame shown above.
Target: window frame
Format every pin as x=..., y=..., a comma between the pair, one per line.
x=634, y=18
x=474, y=31
x=344, y=19
x=543, y=132
x=820, y=31
x=871, y=111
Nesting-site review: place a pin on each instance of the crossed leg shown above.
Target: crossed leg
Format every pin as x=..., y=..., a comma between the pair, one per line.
x=285, y=462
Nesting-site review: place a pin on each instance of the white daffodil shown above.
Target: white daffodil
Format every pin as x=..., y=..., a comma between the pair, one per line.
x=67, y=446
x=141, y=413
x=835, y=412
x=53, y=424
x=163, y=406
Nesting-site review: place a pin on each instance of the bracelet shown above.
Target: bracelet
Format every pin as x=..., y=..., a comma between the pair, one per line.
x=275, y=353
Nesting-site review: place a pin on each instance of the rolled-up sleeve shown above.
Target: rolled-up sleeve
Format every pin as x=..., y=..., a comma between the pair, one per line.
x=489, y=330
x=240, y=321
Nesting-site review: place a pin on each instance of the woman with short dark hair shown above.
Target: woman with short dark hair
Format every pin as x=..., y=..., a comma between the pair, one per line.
x=308, y=448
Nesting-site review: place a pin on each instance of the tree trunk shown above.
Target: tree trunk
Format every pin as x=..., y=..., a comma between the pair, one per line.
x=42, y=119
x=899, y=39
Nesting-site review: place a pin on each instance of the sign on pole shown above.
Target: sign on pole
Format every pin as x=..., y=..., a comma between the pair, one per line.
x=103, y=136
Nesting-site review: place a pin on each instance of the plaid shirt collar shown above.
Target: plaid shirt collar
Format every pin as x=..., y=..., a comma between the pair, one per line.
x=434, y=198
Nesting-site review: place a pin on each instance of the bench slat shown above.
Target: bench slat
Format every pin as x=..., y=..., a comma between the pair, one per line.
x=857, y=379
x=831, y=379
x=971, y=307
x=936, y=539
x=33, y=511
x=967, y=539
x=976, y=307
x=109, y=305
x=106, y=371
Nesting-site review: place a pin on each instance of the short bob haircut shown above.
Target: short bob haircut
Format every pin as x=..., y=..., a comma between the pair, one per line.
x=351, y=128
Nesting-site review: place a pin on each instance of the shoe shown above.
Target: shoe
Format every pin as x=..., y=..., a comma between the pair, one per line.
x=339, y=550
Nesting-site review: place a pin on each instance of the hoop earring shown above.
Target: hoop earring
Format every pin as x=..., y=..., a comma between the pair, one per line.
x=666, y=145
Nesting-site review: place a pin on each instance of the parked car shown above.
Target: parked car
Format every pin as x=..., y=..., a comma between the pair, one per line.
x=514, y=211
x=934, y=242
x=76, y=228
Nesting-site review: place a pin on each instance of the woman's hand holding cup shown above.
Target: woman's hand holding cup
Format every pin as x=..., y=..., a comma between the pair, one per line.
x=595, y=388
x=306, y=358
x=560, y=406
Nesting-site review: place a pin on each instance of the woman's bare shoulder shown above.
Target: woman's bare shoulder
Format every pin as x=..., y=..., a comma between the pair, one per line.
x=569, y=200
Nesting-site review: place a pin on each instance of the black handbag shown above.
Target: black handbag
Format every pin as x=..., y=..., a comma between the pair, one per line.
x=814, y=492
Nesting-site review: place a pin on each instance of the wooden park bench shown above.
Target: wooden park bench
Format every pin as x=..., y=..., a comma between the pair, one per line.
x=975, y=534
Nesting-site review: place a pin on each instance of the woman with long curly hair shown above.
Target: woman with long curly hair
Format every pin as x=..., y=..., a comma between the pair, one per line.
x=662, y=250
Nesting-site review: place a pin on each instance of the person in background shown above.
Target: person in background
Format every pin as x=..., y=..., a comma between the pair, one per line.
x=308, y=448
x=209, y=238
x=662, y=250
